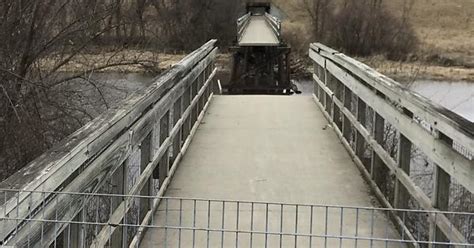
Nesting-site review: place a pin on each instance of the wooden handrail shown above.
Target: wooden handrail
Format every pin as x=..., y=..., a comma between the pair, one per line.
x=338, y=77
x=84, y=161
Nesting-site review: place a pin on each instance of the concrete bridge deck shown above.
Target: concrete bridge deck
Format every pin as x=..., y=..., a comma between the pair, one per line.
x=258, y=33
x=272, y=149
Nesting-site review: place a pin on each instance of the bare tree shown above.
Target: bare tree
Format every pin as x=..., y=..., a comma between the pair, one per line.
x=39, y=38
x=320, y=12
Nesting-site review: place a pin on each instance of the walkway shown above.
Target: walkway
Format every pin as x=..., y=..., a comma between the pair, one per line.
x=271, y=149
x=258, y=33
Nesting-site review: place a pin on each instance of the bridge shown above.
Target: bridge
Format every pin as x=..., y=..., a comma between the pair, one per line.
x=176, y=165
x=260, y=30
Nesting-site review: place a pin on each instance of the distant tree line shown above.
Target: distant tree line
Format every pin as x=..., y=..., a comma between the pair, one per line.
x=173, y=24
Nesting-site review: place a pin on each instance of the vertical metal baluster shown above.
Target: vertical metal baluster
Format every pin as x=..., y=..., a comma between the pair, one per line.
x=281, y=225
x=372, y=228
x=311, y=227
x=125, y=228
x=30, y=217
x=208, y=222
x=266, y=225
x=111, y=198
x=223, y=224
x=194, y=223
x=357, y=228
x=251, y=225
x=326, y=227
x=237, y=226
x=386, y=234
x=139, y=206
x=418, y=228
x=5, y=208
x=42, y=214
x=296, y=227
x=451, y=226
x=5, y=205
x=69, y=235
x=434, y=231
x=166, y=222
x=56, y=223
x=341, y=226
x=69, y=228
x=180, y=221
x=83, y=226
x=17, y=215
x=403, y=220
x=96, y=228
x=153, y=200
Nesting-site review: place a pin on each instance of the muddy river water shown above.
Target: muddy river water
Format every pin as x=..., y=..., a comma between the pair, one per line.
x=455, y=96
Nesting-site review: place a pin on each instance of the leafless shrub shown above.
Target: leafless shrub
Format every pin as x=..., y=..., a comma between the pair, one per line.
x=362, y=27
x=185, y=25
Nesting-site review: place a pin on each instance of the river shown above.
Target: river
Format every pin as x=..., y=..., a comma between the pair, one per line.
x=455, y=96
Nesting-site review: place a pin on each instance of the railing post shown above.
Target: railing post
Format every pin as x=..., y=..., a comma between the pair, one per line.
x=119, y=187
x=346, y=124
x=339, y=95
x=145, y=154
x=163, y=167
x=187, y=122
x=377, y=169
x=125, y=181
x=440, y=196
x=316, y=72
x=361, y=117
x=177, y=113
x=404, y=159
x=327, y=97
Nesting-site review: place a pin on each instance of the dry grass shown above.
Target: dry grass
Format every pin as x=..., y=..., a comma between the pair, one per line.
x=445, y=29
x=155, y=60
x=410, y=71
x=447, y=25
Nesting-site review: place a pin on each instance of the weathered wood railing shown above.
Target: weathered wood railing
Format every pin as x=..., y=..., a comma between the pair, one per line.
x=347, y=90
x=159, y=122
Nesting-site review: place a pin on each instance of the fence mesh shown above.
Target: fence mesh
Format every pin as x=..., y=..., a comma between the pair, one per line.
x=188, y=222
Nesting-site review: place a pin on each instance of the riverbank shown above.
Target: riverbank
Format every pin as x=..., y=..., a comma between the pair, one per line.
x=156, y=62
x=124, y=61
x=418, y=70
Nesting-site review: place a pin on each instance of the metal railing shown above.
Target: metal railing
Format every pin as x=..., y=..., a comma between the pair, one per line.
x=242, y=24
x=275, y=23
x=132, y=149
x=192, y=222
x=386, y=128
